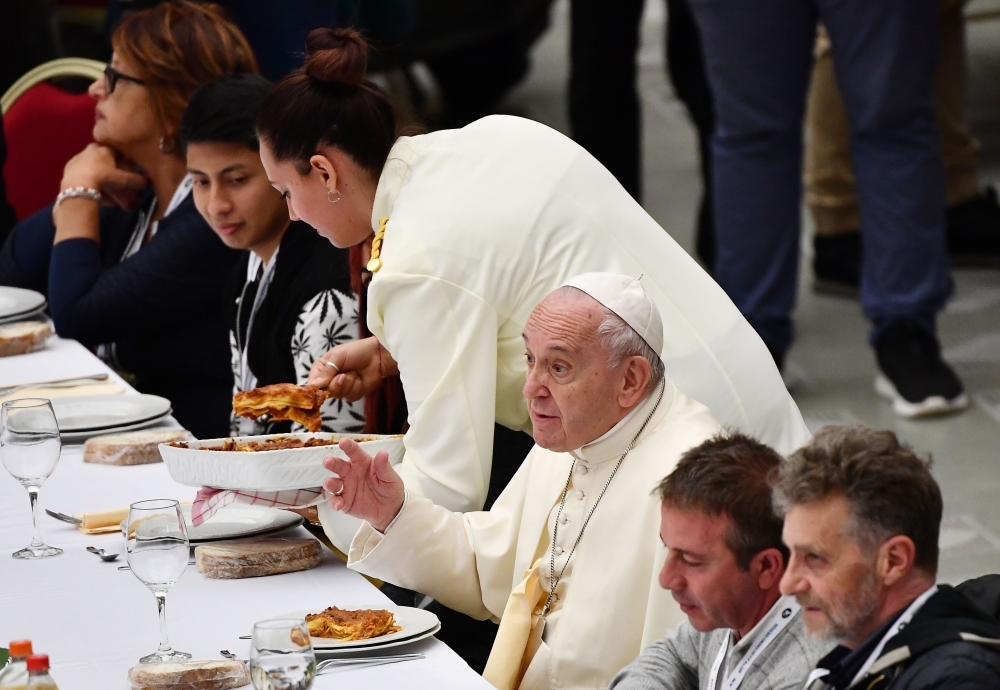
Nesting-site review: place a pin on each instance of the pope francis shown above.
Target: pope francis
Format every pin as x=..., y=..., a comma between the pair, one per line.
x=567, y=558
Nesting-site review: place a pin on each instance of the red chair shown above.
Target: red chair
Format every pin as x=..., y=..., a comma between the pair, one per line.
x=44, y=127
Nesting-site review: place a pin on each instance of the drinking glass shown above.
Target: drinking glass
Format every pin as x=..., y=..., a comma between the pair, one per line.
x=281, y=655
x=29, y=449
x=158, y=548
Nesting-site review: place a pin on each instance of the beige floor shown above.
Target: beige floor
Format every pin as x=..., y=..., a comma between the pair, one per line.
x=831, y=357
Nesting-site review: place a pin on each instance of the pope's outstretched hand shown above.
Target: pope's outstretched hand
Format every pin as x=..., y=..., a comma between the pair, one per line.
x=367, y=488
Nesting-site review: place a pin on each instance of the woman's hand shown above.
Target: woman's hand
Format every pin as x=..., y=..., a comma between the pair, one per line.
x=360, y=366
x=367, y=487
x=96, y=167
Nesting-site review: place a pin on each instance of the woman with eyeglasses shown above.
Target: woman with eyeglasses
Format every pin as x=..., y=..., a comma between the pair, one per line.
x=128, y=264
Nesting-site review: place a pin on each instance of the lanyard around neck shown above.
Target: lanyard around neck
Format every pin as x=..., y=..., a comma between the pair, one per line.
x=900, y=623
x=247, y=379
x=763, y=639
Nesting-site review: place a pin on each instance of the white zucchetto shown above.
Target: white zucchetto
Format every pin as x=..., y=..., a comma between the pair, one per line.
x=624, y=296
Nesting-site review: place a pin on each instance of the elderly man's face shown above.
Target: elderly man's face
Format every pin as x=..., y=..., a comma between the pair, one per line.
x=573, y=397
x=832, y=578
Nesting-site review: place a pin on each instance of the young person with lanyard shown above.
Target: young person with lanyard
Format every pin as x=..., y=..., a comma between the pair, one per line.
x=128, y=265
x=724, y=564
x=862, y=520
x=289, y=299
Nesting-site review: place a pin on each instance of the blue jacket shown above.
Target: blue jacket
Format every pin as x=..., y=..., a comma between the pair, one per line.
x=162, y=307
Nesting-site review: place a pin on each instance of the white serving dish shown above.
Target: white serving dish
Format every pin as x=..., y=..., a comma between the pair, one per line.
x=268, y=470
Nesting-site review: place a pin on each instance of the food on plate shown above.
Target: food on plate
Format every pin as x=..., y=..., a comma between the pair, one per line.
x=189, y=675
x=282, y=401
x=276, y=443
x=130, y=448
x=232, y=560
x=19, y=338
x=347, y=624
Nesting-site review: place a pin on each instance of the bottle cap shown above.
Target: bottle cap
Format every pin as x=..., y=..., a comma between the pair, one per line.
x=38, y=662
x=20, y=648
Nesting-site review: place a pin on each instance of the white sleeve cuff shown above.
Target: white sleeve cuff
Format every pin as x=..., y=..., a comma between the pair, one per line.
x=406, y=495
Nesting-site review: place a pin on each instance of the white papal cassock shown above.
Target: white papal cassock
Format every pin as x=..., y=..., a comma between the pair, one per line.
x=610, y=605
x=484, y=222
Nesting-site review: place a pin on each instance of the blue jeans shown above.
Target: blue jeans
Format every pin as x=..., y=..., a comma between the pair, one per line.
x=759, y=59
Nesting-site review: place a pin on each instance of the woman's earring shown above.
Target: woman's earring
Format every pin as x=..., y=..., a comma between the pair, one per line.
x=331, y=200
x=167, y=145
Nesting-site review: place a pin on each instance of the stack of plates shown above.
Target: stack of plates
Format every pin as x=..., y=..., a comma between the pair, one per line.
x=19, y=305
x=83, y=416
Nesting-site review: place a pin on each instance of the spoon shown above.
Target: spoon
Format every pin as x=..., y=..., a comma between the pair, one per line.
x=104, y=556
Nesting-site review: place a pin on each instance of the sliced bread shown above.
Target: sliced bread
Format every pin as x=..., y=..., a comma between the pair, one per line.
x=131, y=448
x=22, y=337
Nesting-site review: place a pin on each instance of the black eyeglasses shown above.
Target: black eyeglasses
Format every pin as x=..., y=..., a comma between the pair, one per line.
x=113, y=76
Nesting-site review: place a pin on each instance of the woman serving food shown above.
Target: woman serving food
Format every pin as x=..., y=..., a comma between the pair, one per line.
x=466, y=231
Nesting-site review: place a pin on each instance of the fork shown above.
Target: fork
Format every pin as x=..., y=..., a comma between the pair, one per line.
x=368, y=661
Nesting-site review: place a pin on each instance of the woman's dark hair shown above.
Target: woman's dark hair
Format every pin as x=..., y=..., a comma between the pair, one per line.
x=225, y=110
x=328, y=102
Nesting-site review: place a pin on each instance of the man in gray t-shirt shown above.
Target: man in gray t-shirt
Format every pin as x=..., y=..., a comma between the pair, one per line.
x=724, y=566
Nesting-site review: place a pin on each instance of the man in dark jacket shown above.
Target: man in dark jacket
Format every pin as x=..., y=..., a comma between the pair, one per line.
x=862, y=516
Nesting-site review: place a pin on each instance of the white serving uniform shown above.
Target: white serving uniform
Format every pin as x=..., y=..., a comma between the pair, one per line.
x=484, y=222
x=609, y=604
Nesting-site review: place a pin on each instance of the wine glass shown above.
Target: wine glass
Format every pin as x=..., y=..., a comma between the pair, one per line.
x=29, y=449
x=157, y=543
x=281, y=655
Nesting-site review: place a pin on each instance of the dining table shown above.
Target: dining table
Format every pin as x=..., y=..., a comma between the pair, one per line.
x=95, y=621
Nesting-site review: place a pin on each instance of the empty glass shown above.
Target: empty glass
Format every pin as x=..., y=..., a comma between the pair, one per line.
x=157, y=543
x=281, y=655
x=29, y=449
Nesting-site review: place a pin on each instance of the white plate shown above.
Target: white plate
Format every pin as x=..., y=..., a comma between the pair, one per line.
x=107, y=412
x=416, y=623
x=76, y=437
x=33, y=315
x=237, y=521
x=269, y=470
x=17, y=301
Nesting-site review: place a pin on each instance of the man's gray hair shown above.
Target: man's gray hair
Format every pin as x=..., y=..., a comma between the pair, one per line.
x=621, y=341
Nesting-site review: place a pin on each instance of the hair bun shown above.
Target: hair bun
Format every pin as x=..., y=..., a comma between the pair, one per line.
x=338, y=56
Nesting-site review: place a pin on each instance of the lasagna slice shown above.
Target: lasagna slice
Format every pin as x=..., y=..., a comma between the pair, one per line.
x=283, y=401
x=347, y=625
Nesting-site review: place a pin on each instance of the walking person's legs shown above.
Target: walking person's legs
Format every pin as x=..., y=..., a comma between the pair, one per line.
x=759, y=55
x=884, y=58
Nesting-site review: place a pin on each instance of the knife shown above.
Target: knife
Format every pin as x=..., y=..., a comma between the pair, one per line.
x=65, y=518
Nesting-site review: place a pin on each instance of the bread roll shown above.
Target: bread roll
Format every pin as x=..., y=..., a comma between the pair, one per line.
x=26, y=336
x=190, y=675
x=130, y=448
x=230, y=560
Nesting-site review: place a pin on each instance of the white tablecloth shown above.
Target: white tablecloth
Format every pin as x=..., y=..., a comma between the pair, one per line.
x=95, y=621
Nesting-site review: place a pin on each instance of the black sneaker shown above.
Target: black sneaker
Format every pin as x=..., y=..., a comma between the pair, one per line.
x=913, y=375
x=974, y=232
x=837, y=264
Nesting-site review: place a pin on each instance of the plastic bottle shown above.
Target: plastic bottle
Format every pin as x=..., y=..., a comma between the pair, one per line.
x=38, y=673
x=14, y=675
